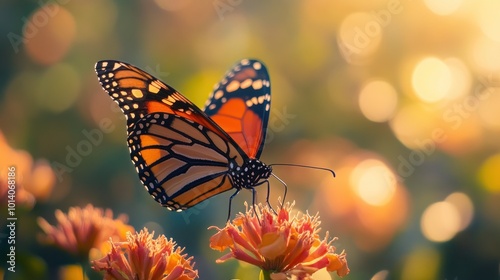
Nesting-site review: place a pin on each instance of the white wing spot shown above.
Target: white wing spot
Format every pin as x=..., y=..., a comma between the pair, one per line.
x=254, y=100
x=261, y=99
x=233, y=86
x=246, y=83
x=257, y=84
x=218, y=94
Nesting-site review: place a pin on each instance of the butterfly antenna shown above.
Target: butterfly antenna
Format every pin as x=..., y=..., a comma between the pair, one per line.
x=303, y=166
x=284, y=185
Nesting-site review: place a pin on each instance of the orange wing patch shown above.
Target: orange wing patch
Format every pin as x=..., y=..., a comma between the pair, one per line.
x=155, y=106
x=204, y=191
x=242, y=124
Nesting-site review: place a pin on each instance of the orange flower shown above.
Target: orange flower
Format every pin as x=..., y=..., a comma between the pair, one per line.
x=281, y=245
x=143, y=257
x=83, y=229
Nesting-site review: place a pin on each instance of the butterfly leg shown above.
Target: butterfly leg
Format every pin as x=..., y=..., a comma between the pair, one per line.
x=230, y=201
x=284, y=195
x=267, y=198
x=254, y=194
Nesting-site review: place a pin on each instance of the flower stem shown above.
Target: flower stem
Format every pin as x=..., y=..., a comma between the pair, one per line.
x=84, y=274
x=265, y=275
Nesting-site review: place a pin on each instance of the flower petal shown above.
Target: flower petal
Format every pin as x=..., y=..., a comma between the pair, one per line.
x=273, y=245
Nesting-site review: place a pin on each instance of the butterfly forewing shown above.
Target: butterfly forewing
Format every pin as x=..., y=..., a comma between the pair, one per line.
x=240, y=104
x=138, y=94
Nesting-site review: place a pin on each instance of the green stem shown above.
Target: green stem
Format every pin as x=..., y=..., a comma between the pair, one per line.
x=265, y=275
x=84, y=276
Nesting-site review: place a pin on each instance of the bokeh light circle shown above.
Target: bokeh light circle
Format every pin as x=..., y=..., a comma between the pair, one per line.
x=488, y=19
x=486, y=55
x=488, y=111
x=373, y=182
x=431, y=79
x=378, y=100
x=464, y=206
x=443, y=7
x=359, y=37
x=440, y=221
x=461, y=78
x=58, y=88
x=49, y=34
x=488, y=174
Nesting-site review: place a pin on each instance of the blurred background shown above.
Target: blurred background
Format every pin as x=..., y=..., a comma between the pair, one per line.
x=401, y=98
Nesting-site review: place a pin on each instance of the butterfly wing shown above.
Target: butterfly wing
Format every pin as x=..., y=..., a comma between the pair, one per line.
x=181, y=163
x=180, y=154
x=240, y=104
x=139, y=93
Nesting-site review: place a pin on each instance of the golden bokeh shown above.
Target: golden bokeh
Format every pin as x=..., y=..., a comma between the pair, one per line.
x=378, y=100
x=359, y=37
x=431, y=79
x=381, y=275
x=464, y=206
x=373, y=182
x=486, y=55
x=443, y=7
x=488, y=174
x=488, y=111
x=49, y=34
x=488, y=20
x=409, y=131
x=460, y=76
x=422, y=263
x=440, y=221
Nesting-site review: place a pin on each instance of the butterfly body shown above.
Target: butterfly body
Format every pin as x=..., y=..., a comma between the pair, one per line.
x=252, y=173
x=184, y=155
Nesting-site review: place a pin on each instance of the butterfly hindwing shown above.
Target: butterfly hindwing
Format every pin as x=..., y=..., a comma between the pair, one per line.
x=240, y=104
x=181, y=163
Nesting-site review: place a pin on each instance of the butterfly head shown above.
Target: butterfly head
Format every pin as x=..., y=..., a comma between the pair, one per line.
x=251, y=173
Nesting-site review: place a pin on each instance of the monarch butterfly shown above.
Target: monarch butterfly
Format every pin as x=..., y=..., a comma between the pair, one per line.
x=184, y=155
